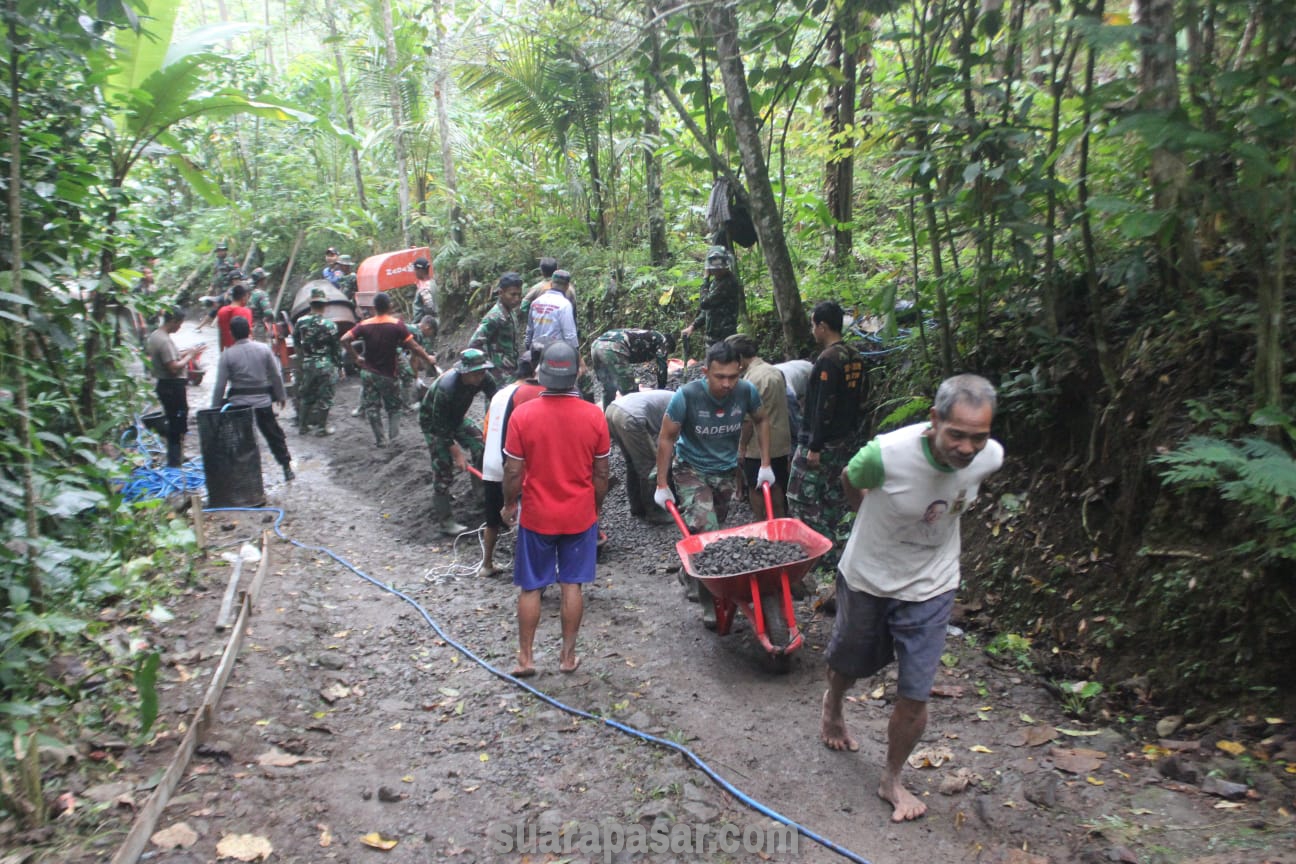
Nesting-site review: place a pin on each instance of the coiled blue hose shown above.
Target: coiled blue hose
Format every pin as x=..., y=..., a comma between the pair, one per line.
x=146, y=481
x=544, y=697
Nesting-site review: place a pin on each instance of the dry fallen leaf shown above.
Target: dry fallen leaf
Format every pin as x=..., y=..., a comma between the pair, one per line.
x=930, y=757
x=334, y=692
x=1076, y=761
x=377, y=841
x=276, y=758
x=1229, y=805
x=1094, y=781
x=1032, y=736
x=1232, y=748
x=244, y=847
x=955, y=783
x=980, y=748
x=326, y=836
x=178, y=836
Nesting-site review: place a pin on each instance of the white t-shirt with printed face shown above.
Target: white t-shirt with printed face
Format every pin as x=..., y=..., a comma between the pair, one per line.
x=906, y=541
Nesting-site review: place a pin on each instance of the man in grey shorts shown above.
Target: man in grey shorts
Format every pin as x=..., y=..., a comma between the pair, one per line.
x=900, y=568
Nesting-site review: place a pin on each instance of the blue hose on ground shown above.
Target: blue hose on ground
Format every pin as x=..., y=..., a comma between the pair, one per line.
x=539, y=694
x=147, y=482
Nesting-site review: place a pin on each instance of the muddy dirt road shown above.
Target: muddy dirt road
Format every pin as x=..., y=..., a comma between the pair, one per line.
x=350, y=722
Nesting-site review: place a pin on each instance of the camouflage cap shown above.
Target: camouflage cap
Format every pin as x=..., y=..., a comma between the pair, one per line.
x=318, y=295
x=718, y=258
x=561, y=276
x=474, y=360
x=259, y=274
x=345, y=259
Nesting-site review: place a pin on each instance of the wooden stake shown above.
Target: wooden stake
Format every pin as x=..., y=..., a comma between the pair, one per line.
x=200, y=534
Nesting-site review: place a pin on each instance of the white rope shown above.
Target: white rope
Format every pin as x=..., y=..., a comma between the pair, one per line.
x=457, y=568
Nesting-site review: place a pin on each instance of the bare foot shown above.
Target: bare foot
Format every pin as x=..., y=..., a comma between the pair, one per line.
x=832, y=729
x=906, y=806
x=524, y=668
x=569, y=665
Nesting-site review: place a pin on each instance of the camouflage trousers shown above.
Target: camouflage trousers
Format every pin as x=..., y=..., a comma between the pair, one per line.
x=815, y=495
x=469, y=437
x=405, y=375
x=315, y=391
x=703, y=498
x=585, y=385
x=378, y=393
x=613, y=370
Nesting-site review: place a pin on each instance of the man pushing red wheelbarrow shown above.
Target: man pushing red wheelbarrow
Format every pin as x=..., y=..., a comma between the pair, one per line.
x=698, y=445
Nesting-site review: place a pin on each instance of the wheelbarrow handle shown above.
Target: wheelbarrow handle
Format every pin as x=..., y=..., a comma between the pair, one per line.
x=679, y=520
x=769, y=503
x=473, y=471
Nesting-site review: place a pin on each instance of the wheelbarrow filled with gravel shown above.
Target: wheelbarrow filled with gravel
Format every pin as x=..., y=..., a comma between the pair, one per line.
x=750, y=568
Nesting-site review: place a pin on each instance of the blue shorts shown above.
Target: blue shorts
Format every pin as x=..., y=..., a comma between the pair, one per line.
x=870, y=632
x=543, y=559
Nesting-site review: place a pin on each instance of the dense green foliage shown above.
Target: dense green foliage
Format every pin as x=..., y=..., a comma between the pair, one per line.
x=1093, y=211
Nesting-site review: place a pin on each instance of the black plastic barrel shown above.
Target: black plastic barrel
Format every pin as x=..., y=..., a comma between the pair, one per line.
x=231, y=458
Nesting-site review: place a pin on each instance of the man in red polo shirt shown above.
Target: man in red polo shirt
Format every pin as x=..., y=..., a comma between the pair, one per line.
x=237, y=306
x=556, y=459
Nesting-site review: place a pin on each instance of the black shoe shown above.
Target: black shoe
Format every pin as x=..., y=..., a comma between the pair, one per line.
x=288, y=473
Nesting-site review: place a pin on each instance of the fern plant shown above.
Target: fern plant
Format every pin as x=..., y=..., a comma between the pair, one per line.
x=1253, y=472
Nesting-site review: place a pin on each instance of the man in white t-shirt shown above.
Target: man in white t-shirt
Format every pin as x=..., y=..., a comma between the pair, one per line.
x=523, y=390
x=900, y=568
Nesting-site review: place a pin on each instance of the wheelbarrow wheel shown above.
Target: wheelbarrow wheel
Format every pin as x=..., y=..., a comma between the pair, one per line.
x=776, y=628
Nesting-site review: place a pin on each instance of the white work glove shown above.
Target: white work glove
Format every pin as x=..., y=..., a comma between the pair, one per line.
x=765, y=475
x=662, y=495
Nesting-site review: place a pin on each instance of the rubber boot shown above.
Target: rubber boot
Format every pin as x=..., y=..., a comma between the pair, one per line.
x=380, y=437
x=324, y=428
x=393, y=424
x=441, y=512
x=706, y=605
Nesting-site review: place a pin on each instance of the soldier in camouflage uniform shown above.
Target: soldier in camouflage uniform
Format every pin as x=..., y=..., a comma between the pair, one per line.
x=499, y=335
x=383, y=336
x=346, y=280
x=221, y=269
x=613, y=354
x=828, y=433
x=448, y=431
x=721, y=296
x=425, y=297
x=315, y=339
x=700, y=435
x=259, y=303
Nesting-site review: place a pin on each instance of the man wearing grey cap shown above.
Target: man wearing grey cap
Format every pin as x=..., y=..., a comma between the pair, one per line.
x=555, y=477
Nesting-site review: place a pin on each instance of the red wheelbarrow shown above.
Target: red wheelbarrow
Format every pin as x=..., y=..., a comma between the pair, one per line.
x=764, y=596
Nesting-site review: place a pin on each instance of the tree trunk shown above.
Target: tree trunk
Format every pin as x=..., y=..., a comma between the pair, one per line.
x=659, y=252
x=394, y=76
x=27, y=470
x=442, y=85
x=839, y=111
x=1167, y=173
x=450, y=178
x=765, y=213
x=346, y=105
